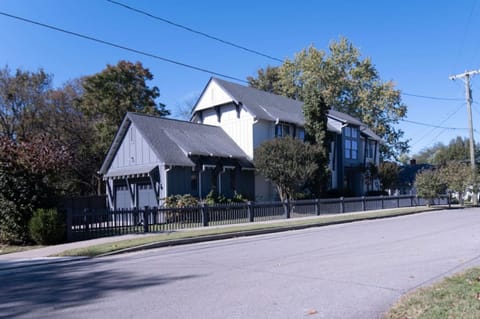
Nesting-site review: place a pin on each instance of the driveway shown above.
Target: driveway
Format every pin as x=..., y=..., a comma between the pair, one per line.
x=345, y=271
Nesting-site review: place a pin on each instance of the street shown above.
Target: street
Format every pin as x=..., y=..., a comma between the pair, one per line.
x=355, y=270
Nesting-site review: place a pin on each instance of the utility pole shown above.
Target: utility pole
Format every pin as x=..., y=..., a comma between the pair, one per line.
x=468, y=92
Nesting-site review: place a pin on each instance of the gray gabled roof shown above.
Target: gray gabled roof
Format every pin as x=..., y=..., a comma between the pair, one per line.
x=173, y=141
x=273, y=107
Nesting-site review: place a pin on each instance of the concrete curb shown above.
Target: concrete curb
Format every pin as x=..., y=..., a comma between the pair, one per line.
x=234, y=234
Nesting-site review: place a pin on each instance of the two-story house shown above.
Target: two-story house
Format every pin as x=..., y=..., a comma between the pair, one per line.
x=152, y=158
x=250, y=116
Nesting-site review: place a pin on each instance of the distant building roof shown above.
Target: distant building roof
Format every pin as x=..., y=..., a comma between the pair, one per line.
x=174, y=141
x=273, y=107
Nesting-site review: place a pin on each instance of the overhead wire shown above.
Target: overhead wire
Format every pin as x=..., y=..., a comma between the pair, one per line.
x=119, y=46
x=206, y=35
x=433, y=97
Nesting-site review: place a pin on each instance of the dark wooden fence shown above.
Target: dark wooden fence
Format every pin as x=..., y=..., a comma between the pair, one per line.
x=89, y=223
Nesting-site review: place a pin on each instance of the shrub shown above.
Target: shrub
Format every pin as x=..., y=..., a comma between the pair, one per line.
x=13, y=223
x=178, y=201
x=47, y=226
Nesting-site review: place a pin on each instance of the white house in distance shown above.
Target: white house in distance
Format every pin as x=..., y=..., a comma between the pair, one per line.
x=152, y=158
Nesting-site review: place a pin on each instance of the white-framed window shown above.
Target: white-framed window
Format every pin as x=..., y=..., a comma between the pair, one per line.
x=351, y=142
x=370, y=149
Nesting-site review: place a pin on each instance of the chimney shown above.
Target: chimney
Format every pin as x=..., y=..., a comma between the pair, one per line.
x=413, y=162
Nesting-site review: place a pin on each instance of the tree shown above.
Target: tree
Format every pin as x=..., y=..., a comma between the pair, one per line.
x=22, y=98
x=388, y=174
x=457, y=176
x=315, y=111
x=28, y=173
x=111, y=93
x=458, y=149
x=347, y=83
x=429, y=184
x=288, y=163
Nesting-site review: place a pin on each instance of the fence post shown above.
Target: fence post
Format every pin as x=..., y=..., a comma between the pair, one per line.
x=317, y=207
x=449, y=200
x=68, y=219
x=250, y=211
x=398, y=201
x=383, y=204
x=363, y=203
x=411, y=200
x=286, y=208
x=342, y=205
x=145, y=219
x=205, y=217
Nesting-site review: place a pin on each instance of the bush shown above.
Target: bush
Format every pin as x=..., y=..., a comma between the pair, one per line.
x=178, y=201
x=13, y=223
x=47, y=226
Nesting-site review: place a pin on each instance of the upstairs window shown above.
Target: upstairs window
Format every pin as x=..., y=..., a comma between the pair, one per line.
x=283, y=129
x=370, y=149
x=351, y=142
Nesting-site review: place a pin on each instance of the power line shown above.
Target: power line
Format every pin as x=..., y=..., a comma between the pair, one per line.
x=433, y=97
x=178, y=25
x=435, y=126
x=118, y=46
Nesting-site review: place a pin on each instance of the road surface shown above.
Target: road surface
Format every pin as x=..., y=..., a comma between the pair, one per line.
x=354, y=270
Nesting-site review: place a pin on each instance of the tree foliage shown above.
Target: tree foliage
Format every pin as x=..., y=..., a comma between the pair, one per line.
x=348, y=83
x=28, y=173
x=388, y=174
x=430, y=184
x=111, y=93
x=288, y=163
x=458, y=149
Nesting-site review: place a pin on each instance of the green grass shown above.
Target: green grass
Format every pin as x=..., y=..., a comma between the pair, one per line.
x=456, y=297
x=8, y=249
x=101, y=249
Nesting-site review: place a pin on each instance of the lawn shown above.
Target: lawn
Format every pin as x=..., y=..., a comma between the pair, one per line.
x=456, y=297
x=8, y=249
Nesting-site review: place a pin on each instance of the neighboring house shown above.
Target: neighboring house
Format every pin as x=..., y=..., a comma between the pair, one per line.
x=152, y=158
x=250, y=117
x=407, y=174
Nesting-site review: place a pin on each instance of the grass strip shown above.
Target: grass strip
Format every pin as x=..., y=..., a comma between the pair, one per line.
x=8, y=249
x=101, y=249
x=454, y=297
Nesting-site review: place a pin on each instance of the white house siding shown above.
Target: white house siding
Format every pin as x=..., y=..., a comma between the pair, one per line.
x=133, y=151
x=213, y=95
x=237, y=126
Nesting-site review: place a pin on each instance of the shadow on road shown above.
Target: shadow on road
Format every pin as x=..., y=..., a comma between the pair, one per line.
x=30, y=289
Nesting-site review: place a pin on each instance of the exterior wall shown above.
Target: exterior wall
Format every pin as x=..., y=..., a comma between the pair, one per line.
x=179, y=181
x=134, y=150
x=213, y=95
x=238, y=125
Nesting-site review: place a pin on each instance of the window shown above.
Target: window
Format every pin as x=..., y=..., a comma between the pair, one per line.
x=132, y=135
x=351, y=142
x=300, y=134
x=370, y=149
x=283, y=129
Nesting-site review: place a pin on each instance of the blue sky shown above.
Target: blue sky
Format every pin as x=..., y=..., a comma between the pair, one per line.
x=416, y=44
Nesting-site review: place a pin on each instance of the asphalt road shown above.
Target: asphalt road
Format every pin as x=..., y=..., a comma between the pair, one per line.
x=345, y=271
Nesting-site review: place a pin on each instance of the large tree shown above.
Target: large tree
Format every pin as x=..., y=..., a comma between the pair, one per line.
x=288, y=163
x=118, y=89
x=348, y=83
x=22, y=99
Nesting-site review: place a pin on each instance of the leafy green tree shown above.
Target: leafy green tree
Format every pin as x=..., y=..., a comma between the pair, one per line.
x=429, y=184
x=111, y=93
x=388, y=175
x=457, y=176
x=348, y=83
x=315, y=111
x=288, y=163
x=458, y=149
